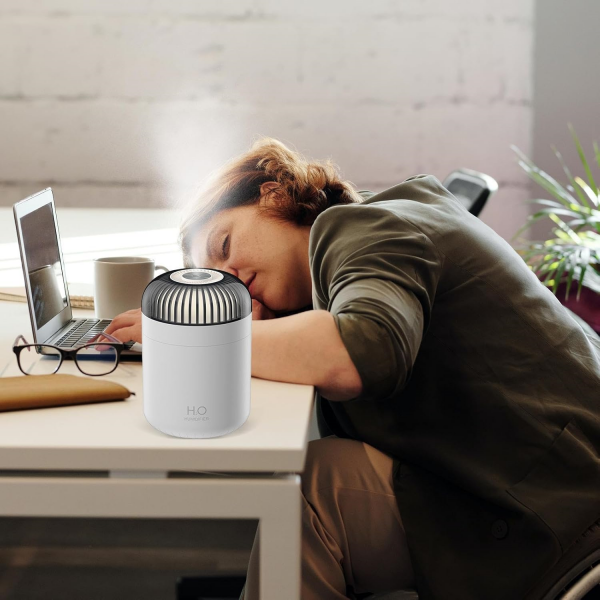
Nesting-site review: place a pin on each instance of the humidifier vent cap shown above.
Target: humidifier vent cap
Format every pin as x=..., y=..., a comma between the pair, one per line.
x=196, y=296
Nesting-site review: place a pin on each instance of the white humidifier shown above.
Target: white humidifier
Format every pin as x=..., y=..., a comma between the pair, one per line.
x=196, y=339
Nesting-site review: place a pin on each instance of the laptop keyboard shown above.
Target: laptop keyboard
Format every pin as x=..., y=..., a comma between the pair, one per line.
x=83, y=332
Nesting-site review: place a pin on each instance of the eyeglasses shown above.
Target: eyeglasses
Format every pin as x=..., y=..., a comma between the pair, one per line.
x=90, y=358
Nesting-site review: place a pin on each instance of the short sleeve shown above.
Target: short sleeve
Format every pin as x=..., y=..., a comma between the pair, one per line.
x=377, y=274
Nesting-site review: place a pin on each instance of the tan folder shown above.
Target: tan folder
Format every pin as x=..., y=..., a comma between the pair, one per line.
x=41, y=391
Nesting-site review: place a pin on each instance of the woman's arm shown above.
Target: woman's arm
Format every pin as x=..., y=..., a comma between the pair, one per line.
x=305, y=348
x=301, y=348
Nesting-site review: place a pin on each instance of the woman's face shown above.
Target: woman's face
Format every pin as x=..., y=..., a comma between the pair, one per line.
x=268, y=255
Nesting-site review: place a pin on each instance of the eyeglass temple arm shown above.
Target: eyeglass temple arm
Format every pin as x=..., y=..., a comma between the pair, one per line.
x=20, y=337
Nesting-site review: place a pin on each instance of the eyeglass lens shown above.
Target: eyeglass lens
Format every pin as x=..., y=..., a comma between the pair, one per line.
x=96, y=359
x=39, y=360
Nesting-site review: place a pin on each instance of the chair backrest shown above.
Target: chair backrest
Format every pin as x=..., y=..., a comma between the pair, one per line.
x=471, y=188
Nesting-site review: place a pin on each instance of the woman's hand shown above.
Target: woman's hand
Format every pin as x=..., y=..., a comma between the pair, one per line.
x=127, y=326
x=260, y=311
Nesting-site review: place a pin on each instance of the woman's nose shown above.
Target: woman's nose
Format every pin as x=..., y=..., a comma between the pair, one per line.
x=230, y=270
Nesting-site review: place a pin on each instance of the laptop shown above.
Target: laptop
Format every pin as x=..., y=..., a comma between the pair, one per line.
x=46, y=287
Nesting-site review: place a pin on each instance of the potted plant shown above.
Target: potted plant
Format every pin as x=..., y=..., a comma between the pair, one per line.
x=572, y=253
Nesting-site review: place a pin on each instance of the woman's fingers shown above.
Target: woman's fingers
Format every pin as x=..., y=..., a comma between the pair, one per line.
x=126, y=334
x=126, y=326
x=123, y=320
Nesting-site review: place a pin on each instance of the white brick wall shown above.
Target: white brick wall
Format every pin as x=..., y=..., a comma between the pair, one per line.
x=133, y=102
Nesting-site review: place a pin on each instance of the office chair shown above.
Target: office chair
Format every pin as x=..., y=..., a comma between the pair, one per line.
x=471, y=188
x=574, y=575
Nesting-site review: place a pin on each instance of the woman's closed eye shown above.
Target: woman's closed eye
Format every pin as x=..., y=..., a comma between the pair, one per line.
x=224, y=242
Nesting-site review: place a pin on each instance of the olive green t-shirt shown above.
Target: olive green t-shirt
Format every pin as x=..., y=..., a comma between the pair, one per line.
x=476, y=381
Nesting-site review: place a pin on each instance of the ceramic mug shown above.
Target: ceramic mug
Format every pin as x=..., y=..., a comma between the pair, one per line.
x=119, y=282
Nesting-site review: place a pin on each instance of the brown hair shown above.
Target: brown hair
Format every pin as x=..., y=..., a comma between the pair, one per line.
x=305, y=189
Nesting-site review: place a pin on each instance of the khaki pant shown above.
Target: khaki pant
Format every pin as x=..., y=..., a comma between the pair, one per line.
x=353, y=540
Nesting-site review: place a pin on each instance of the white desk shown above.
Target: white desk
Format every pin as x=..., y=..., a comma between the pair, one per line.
x=133, y=470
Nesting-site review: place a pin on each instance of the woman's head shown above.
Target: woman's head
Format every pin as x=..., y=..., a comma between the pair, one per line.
x=253, y=220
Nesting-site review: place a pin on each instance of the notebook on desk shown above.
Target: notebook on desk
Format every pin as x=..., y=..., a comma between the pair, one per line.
x=46, y=287
x=79, y=294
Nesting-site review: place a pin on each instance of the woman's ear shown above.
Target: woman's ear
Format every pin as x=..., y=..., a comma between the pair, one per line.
x=267, y=187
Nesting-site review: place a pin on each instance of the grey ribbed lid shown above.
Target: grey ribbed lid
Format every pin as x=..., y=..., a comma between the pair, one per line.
x=196, y=297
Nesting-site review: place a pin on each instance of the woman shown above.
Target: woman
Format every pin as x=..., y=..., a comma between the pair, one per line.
x=462, y=397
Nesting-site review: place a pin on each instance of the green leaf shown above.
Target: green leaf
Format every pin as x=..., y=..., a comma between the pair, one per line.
x=531, y=219
x=562, y=236
x=584, y=160
x=585, y=254
x=592, y=280
x=565, y=228
x=569, y=176
x=581, y=276
x=545, y=202
x=521, y=155
x=544, y=180
x=552, y=187
x=559, y=273
x=550, y=276
x=558, y=211
x=537, y=261
x=589, y=221
x=588, y=190
x=570, y=280
x=575, y=241
x=576, y=209
x=538, y=267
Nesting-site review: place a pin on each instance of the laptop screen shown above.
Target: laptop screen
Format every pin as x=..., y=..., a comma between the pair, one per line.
x=43, y=262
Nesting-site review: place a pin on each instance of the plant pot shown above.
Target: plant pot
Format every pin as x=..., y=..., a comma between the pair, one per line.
x=587, y=307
